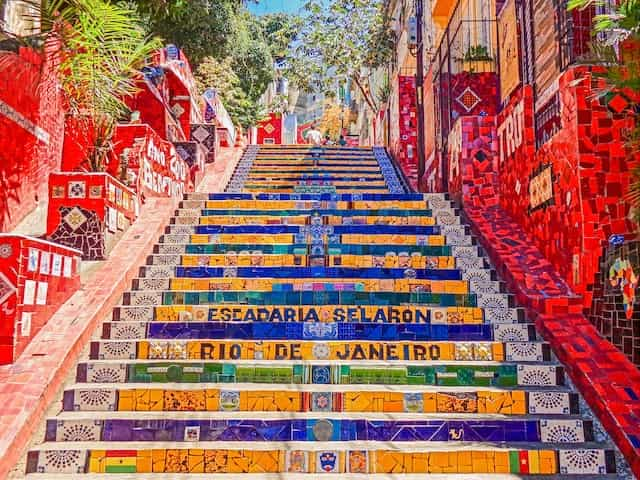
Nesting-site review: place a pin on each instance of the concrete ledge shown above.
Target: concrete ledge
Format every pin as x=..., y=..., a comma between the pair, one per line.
x=28, y=386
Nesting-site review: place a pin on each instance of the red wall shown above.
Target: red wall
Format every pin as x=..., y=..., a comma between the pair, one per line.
x=271, y=129
x=590, y=172
x=37, y=278
x=407, y=118
x=30, y=106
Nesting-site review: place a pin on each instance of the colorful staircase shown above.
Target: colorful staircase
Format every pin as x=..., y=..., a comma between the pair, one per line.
x=317, y=318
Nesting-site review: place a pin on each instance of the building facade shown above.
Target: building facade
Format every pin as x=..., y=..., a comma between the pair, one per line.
x=513, y=122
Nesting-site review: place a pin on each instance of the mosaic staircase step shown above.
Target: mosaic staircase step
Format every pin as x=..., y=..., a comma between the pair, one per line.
x=301, y=258
x=321, y=457
x=327, y=350
x=311, y=293
x=364, y=398
x=318, y=318
x=285, y=330
x=320, y=430
x=475, y=375
x=325, y=313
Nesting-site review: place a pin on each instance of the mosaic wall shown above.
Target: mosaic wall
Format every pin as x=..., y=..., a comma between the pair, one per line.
x=614, y=310
x=271, y=131
x=473, y=159
x=36, y=277
x=407, y=155
x=86, y=211
x=553, y=197
x=205, y=135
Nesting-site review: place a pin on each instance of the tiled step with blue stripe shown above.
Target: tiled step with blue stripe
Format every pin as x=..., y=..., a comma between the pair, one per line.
x=311, y=430
x=284, y=330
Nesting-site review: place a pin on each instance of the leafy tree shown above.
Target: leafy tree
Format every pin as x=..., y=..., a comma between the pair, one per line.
x=102, y=47
x=280, y=30
x=200, y=28
x=219, y=74
x=251, y=57
x=347, y=38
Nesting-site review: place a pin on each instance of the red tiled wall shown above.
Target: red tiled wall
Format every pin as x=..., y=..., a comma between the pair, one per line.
x=590, y=173
x=28, y=88
x=407, y=154
x=41, y=287
x=271, y=128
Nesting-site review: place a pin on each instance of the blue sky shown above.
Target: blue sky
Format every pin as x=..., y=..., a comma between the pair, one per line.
x=272, y=6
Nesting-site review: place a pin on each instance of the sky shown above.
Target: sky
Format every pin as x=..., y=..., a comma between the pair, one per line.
x=273, y=6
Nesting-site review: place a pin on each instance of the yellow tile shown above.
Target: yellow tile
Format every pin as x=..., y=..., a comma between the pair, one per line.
x=144, y=461
x=216, y=461
x=126, y=400
x=177, y=461
x=479, y=462
x=502, y=462
x=237, y=462
x=519, y=406
x=430, y=404
x=142, y=400
x=465, y=462
x=159, y=458
x=439, y=462
x=156, y=400
x=419, y=462
x=212, y=400
x=96, y=461
x=548, y=462
x=534, y=461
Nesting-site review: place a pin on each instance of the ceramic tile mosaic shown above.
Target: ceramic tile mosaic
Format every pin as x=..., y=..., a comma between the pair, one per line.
x=316, y=302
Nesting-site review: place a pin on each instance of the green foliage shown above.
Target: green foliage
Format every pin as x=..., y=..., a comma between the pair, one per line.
x=251, y=57
x=280, y=30
x=102, y=46
x=200, y=28
x=347, y=38
x=219, y=74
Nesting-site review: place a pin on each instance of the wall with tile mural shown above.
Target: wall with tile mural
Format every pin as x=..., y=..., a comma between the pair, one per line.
x=87, y=210
x=36, y=277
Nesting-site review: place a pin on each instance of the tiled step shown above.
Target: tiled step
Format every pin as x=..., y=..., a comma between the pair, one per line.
x=255, y=398
x=301, y=373
x=312, y=293
x=344, y=331
x=321, y=457
x=324, y=313
x=249, y=430
x=326, y=350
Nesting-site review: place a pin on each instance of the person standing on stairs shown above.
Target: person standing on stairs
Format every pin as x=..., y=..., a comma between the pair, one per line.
x=314, y=137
